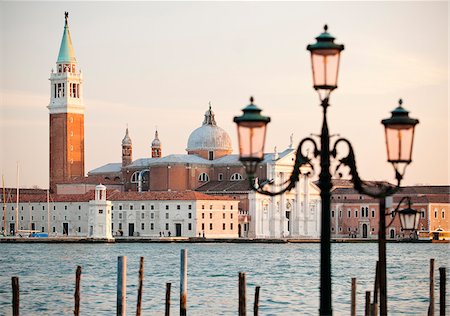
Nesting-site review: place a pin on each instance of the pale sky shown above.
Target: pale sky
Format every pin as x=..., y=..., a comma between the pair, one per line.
x=150, y=64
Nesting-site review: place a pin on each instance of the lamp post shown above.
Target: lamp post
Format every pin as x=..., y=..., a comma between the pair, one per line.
x=325, y=57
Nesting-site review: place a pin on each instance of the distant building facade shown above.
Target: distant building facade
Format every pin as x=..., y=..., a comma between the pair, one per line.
x=146, y=214
x=357, y=215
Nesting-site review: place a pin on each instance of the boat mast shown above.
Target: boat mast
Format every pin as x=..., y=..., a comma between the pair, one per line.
x=4, y=206
x=48, y=213
x=17, y=203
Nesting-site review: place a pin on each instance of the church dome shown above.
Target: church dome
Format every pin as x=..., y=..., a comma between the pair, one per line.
x=209, y=136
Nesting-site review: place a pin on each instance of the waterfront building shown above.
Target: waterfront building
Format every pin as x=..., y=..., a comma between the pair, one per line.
x=145, y=214
x=357, y=215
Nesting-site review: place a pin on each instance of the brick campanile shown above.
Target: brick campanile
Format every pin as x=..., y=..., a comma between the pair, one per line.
x=66, y=115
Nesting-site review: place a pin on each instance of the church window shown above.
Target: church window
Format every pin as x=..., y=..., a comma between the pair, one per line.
x=120, y=208
x=43, y=207
x=135, y=177
x=142, y=207
x=152, y=207
x=236, y=177
x=356, y=213
x=340, y=213
x=443, y=214
x=131, y=206
x=220, y=177
x=210, y=155
x=203, y=177
x=332, y=213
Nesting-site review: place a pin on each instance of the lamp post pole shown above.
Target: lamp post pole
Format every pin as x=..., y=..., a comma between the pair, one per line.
x=325, y=235
x=382, y=256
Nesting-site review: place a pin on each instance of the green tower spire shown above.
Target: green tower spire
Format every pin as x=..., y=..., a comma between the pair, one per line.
x=66, y=53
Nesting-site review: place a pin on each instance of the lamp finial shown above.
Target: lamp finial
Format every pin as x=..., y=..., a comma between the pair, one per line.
x=251, y=100
x=325, y=27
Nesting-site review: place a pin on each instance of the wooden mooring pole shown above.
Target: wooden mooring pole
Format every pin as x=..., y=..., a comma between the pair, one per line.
x=183, y=282
x=121, y=286
x=376, y=290
x=431, y=306
x=15, y=295
x=256, y=303
x=76, y=310
x=367, y=311
x=168, y=286
x=242, y=299
x=141, y=281
x=353, y=298
x=442, y=290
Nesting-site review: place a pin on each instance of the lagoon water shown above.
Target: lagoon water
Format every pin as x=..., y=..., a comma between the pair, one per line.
x=287, y=273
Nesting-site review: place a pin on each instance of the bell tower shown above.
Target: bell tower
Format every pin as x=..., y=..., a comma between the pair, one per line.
x=66, y=109
x=156, y=146
x=127, y=150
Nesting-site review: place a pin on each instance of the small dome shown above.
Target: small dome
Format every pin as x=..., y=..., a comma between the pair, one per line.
x=126, y=141
x=100, y=187
x=209, y=136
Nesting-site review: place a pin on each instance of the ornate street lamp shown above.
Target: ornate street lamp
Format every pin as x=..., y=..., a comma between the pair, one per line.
x=252, y=136
x=399, y=131
x=409, y=217
x=325, y=57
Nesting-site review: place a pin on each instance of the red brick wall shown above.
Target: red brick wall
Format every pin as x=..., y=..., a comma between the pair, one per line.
x=66, y=147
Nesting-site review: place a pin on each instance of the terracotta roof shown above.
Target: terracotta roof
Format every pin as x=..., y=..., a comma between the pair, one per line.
x=91, y=180
x=225, y=186
x=162, y=196
x=114, y=195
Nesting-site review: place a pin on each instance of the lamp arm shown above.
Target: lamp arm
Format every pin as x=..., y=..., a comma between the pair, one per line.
x=375, y=190
x=300, y=160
